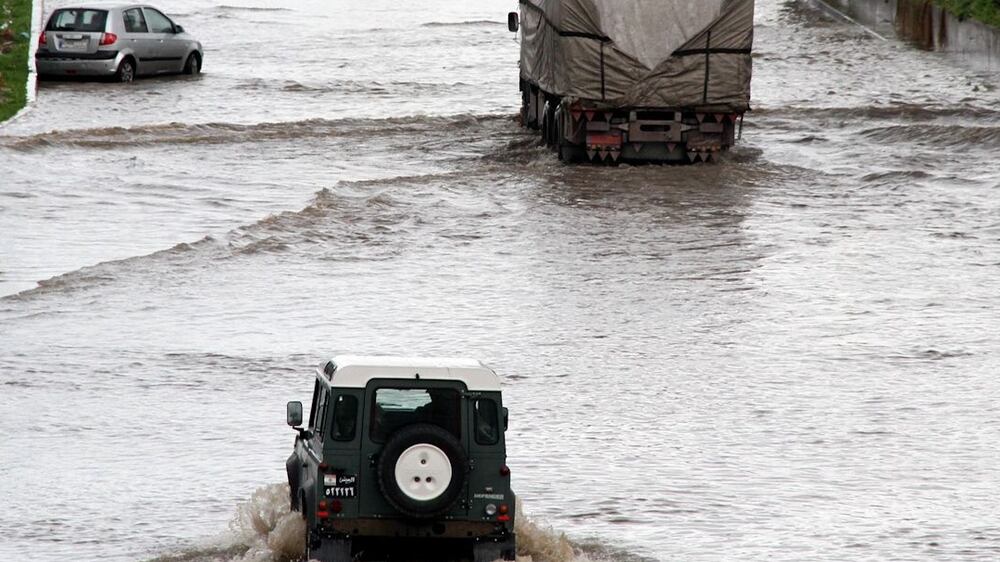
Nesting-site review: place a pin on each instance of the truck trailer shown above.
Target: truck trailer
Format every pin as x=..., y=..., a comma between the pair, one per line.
x=635, y=80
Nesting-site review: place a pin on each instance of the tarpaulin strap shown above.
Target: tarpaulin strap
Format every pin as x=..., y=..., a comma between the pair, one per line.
x=708, y=60
x=718, y=51
x=601, y=38
x=561, y=33
x=603, y=97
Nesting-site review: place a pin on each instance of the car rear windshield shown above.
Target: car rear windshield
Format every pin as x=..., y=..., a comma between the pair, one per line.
x=394, y=408
x=74, y=19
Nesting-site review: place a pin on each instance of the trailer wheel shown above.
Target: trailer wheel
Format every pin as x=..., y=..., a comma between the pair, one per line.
x=568, y=152
x=525, y=105
x=550, y=132
x=546, y=126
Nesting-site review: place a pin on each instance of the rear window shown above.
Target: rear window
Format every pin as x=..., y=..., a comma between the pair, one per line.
x=394, y=408
x=77, y=20
x=487, y=422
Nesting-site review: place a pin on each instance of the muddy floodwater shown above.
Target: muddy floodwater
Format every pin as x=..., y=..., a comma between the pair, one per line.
x=790, y=355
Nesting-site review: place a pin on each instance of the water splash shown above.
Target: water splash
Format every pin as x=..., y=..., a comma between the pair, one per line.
x=263, y=529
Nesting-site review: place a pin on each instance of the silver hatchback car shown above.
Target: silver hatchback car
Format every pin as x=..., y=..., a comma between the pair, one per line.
x=123, y=41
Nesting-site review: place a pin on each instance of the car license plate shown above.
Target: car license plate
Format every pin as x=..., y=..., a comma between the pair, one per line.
x=74, y=44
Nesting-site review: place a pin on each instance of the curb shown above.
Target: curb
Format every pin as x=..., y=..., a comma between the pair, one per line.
x=866, y=28
x=927, y=24
x=37, y=7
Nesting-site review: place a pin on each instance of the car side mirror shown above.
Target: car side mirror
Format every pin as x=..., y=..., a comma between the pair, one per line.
x=506, y=418
x=513, y=23
x=294, y=414
x=178, y=29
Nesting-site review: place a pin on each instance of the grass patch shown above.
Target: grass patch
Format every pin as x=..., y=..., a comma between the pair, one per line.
x=986, y=11
x=15, y=34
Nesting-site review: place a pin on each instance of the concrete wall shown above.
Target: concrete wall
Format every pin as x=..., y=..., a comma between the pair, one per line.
x=929, y=26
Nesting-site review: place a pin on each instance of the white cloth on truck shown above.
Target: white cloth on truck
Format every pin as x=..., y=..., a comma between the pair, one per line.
x=641, y=53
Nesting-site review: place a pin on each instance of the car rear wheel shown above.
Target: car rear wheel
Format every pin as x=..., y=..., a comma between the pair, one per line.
x=126, y=71
x=422, y=470
x=193, y=65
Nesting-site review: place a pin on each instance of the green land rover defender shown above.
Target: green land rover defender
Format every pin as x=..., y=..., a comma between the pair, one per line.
x=403, y=459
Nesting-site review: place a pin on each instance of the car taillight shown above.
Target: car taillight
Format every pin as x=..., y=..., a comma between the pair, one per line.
x=336, y=506
x=322, y=512
x=42, y=40
x=108, y=38
x=504, y=471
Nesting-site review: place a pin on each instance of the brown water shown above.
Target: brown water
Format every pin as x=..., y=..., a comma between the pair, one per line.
x=790, y=355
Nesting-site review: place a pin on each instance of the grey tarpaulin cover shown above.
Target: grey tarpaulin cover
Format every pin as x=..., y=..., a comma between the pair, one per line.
x=641, y=53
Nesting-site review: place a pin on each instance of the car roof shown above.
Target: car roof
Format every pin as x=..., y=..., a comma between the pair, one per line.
x=356, y=371
x=102, y=6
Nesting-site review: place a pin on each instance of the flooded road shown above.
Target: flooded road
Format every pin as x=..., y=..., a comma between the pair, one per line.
x=790, y=355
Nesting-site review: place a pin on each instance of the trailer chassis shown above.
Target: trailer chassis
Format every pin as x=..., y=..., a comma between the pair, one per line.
x=581, y=131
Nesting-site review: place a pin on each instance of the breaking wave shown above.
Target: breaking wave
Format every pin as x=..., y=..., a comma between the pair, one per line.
x=940, y=135
x=904, y=111
x=103, y=273
x=251, y=8
x=362, y=220
x=233, y=133
x=474, y=23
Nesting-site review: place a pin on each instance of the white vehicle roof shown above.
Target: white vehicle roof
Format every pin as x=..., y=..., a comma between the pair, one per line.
x=355, y=371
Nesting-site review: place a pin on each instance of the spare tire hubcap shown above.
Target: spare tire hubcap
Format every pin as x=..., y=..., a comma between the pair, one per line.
x=423, y=472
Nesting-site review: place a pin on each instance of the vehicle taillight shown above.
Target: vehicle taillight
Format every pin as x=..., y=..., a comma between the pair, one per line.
x=336, y=506
x=322, y=512
x=42, y=40
x=108, y=38
x=504, y=471
x=504, y=509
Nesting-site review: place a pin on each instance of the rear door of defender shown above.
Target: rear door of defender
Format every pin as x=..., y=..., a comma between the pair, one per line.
x=414, y=449
x=489, y=481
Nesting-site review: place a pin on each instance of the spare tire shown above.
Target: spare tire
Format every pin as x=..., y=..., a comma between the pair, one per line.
x=422, y=470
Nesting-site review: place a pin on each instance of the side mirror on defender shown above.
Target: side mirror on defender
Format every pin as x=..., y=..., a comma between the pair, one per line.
x=178, y=29
x=506, y=418
x=294, y=414
x=513, y=24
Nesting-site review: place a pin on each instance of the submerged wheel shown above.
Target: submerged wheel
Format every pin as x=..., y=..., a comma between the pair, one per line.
x=550, y=133
x=193, y=64
x=126, y=71
x=327, y=549
x=422, y=470
x=492, y=551
x=568, y=152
